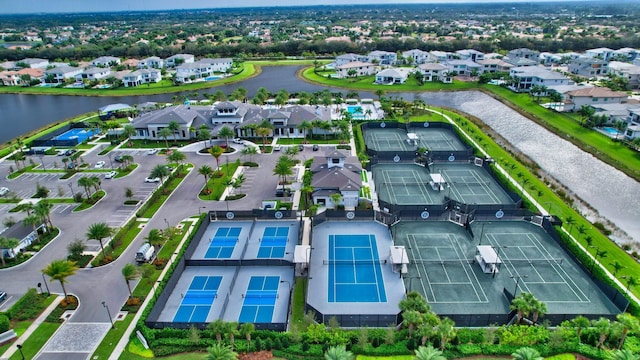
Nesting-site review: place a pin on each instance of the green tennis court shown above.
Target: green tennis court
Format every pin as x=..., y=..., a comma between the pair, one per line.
x=387, y=140
x=470, y=184
x=404, y=184
x=438, y=139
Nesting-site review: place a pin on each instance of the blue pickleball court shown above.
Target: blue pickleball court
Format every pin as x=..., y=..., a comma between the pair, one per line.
x=260, y=299
x=273, y=242
x=223, y=243
x=198, y=300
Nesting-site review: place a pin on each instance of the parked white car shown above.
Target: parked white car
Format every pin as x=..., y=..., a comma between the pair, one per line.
x=277, y=148
x=238, y=141
x=99, y=165
x=4, y=191
x=152, y=180
x=110, y=174
x=152, y=151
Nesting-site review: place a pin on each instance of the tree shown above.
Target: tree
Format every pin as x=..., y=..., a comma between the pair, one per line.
x=165, y=133
x=603, y=326
x=60, y=270
x=130, y=273
x=128, y=193
x=99, y=231
x=128, y=130
x=232, y=330
x=8, y=244
x=160, y=171
x=246, y=329
x=521, y=306
x=203, y=135
x=446, y=330
x=226, y=133
x=76, y=248
x=585, y=113
x=414, y=301
x=539, y=308
x=580, y=323
x=411, y=318
x=617, y=266
x=174, y=127
x=305, y=126
x=43, y=210
x=250, y=150
x=429, y=353
x=625, y=354
x=220, y=352
x=155, y=237
x=86, y=182
x=177, y=158
x=526, y=353
x=217, y=327
x=336, y=198
x=338, y=352
x=629, y=323
x=379, y=93
x=263, y=132
x=216, y=152
x=206, y=171
x=283, y=169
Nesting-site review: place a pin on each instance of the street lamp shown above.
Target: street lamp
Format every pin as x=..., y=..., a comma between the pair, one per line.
x=40, y=287
x=166, y=222
x=19, y=346
x=41, y=156
x=109, y=314
x=518, y=277
x=110, y=162
x=200, y=210
x=71, y=188
x=45, y=285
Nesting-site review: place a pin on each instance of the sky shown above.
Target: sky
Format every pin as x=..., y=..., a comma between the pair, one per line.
x=57, y=6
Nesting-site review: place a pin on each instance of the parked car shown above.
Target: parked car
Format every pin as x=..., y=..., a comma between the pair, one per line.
x=300, y=147
x=3, y=296
x=315, y=147
x=110, y=174
x=277, y=148
x=4, y=191
x=62, y=152
x=70, y=152
x=118, y=158
x=238, y=141
x=99, y=165
x=170, y=168
x=152, y=151
x=152, y=180
x=282, y=193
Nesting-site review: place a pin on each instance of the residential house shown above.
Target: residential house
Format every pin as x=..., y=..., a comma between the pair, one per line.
x=392, y=76
x=105, y=61
x=94, y=73
x=549, y=59
x=193, y=71
x=61, y=73
x=630, y=72
x=524, y=53
x=336, y=173
x=442, y=56
x=148, y=125
x=470, y=54
x=228, y=112
x=528, y=76
x=463, y=67
x=435, y=72
x=178, y=59
x=219, y=65
x=632, y=132
x=34, y=63
x=417, y=57
x=634, y=115
x=382, y=57
x=355, y=68
x=593, y=96
x=494, y=65
x=350, y=57
x=142, y=76
x=629, y=54
x=520, y=62
x=600, y=53
x=588, y=67
x=21, y=77
x=285, y=121
x=613, y=112
x=25, y=234
x=152, y=62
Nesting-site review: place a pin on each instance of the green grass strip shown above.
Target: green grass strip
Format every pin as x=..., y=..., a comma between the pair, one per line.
x=36, y=341
x=110, y=341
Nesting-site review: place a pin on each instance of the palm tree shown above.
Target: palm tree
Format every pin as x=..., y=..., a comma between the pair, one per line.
x=232, y=329
x=429, y=353
x=86, y=182
x=579, y=324
x=246, y=329
x=220, y=352
x=283, y=169
x=128, y=130
x=520, y=305
x=206, y=171
x=603, y=326
x=130, y=273
x=160, y=171
x=616, y=267
x=629, y=323
x=336, y=198
x=174, y=127
x=570, y=221
x=539, y=308
x=446, y=330
x=60, y=270
x=217, y=327
x=155, y=237
x=526, y=353
x=305, y=126
x=165, y=133
x=414, y=301
x=585, y=113
x=177, y=158
x=338, y=353
x=226, y=133
x=33, y=220
x=99, y=231
x=216, y=152
x=7, y=244
x=43, y=210
x=249, y=150
x=411, y=318
x=203, y=135
x=127, y=160
x=263, y=132
x=625, y=354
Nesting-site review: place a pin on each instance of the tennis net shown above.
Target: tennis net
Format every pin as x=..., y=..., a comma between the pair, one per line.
x=353, y=262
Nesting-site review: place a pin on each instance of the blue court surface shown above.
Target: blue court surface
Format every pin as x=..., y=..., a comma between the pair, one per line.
x=197, y=301
x=354, y=269
x=223, y=243
x=79, y=134
x=273, y=242
x=260, y=299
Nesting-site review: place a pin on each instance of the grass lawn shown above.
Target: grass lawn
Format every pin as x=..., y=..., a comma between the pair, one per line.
x=94, y=199
x=110, y=341
x=36, y=341
x=297, y=306
x=217, y=184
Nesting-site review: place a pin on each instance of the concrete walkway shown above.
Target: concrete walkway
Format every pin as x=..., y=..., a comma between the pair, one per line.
x=20, y=340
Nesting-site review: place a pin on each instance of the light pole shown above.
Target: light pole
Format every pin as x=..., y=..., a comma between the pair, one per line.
x=41, y=156
x=200, y=210
x=19, y=346
x=110, y=162
x=71, y=188
x=498, y=261
x=166, y=222
x=518, y=277
x=45, y=285
x=109, y=314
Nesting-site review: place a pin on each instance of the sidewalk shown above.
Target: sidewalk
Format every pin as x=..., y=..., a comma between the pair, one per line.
x=13, y=348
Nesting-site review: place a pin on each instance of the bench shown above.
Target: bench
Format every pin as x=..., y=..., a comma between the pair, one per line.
x=7, y=336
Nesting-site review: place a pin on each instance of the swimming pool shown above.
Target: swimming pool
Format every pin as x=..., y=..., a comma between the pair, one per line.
x=356, y=111
x=610, y=130
x=79, y=135
x=211, y=78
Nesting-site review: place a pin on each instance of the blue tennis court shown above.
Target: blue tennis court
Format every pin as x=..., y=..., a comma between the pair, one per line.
x=354, y=269
x=79, y=134
x=197, y=302
x=260, y=299
x=273, y=242
x=223, y=243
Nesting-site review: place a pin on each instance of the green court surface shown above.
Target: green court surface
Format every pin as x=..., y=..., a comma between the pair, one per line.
x=438, y=139
x=444, y=269
x=388, y=140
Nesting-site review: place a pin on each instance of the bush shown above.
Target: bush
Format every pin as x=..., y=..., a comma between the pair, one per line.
x=28, y=307
x=4, y=323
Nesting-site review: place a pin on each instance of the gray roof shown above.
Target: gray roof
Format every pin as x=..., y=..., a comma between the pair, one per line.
x=538, y=72
x=61, y=70
x=336, y=178
x=18, y=231
x=182, y=114
x=95, y=70
x=295, y=114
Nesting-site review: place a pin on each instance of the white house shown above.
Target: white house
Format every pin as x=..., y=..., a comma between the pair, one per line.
x=61, y=73
x=148, y=125
x=336, y=173
x=360, y=69
x=105, y=61
x=593, y=96
x=632, y=132
x=34, y=63
x=219, y=65
x=178, y=59
x=463, y=67
x=392, y=76
x=524, y=53
x=142, y=76
x=528, y=76
x=629, y=53
x=25, y=234
x=435, y=72
x=94, y=73
x=193, y=71
x=417, y=56
x=629, y=71
x=442, y=56
x=494, y=65
x=152, y=62
x=470, y=54
x=588, y=67
x=600, y=53
x=382, y=57
x=349, y=57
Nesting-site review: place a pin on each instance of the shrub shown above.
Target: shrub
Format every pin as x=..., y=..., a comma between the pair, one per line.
x=28, y=307
x=4, y=323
